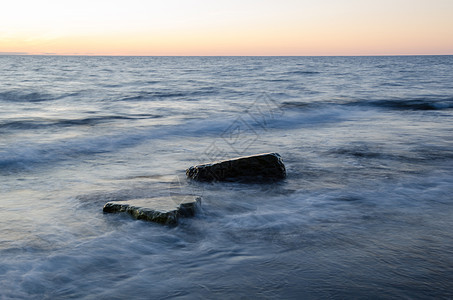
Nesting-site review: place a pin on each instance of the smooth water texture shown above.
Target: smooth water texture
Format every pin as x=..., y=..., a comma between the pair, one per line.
x=365, y=212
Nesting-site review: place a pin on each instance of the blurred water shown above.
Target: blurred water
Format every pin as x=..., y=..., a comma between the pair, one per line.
x=365, y=211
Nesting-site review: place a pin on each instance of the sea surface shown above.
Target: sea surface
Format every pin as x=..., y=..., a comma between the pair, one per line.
x=366, y=210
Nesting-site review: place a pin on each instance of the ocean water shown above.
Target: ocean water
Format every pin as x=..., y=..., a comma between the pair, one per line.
x=366, y=210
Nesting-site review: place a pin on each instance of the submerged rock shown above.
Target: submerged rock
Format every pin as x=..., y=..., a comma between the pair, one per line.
x=266, y=166
x=163, y=210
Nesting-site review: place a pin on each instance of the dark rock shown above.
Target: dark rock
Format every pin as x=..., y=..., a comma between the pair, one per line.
x=163, y=210
x=256, y=168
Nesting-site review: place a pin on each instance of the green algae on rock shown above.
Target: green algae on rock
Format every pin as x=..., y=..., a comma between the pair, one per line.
x=163, y=210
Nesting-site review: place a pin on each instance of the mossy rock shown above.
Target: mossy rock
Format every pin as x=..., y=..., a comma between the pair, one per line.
x=162, y=210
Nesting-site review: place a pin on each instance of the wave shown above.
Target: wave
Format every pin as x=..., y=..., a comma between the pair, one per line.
x=392, y=104
x=21, y=155
x=276, y=80
x=217, y=126
x=361, y=151
x=416, y=155
x=17, y=96
x=186, y=95
x=152, y=95
x=302, y=73
x=44, y=123
x=391, y=84
x=22, y=96
x=413, y=104
x=296, y=104
x=418, y=103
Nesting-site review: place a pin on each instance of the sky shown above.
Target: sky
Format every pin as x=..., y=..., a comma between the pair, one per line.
x=227, y=27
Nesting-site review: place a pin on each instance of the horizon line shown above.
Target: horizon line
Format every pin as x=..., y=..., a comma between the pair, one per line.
x=129, y=55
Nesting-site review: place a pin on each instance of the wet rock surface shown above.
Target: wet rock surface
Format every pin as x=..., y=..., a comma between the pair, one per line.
x=163, y=210
x=255, y=168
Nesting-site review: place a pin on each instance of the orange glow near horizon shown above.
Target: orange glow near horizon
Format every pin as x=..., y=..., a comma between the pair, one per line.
x=247, y=27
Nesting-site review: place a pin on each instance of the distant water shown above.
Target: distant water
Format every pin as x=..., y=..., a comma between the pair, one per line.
x=366, y=210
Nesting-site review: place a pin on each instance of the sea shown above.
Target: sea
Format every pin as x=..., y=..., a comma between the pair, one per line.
x=366, y=210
